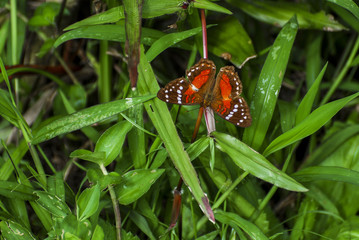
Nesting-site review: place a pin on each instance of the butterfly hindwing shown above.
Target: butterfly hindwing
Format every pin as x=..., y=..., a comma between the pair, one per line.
x=227, y=102
x=181, y=91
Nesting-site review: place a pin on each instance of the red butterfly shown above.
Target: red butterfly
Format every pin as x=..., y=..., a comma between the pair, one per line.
x=221, y=93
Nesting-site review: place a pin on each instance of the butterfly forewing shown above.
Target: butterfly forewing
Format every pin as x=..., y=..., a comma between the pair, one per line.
x=180, y=91
x=227, y=102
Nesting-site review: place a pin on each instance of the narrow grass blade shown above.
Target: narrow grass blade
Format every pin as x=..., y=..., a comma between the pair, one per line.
x=305, y=106
x=235, y=221
x=205, y=4
x=110, y=16
x=254, y=163
x=161, y=119
x=309, y=125
x=268, y=86
x=107, y=32
x=16, y=191
x=168, y=40
x=330, y=173
x=85, y=117
x=348, y=5
x=136, y=138
x=278, y=13
x=89, y=131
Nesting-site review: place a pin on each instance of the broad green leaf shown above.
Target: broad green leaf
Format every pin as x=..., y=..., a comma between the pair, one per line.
x=45, y=14
x=53, y=204
x=15, y=190
x=11, y=230
x=95, y=157
x=88, y=202
x=85, y=117
x=278, y=13
x=95, y=175
x=337, y=174
x=168, y=40
x=305, y=106
x=161, y=119
x=268, y=86
x=205, y=4
x=136, y=183
x=72, y=227
x=348, y=5
x=98, y=233
x=229, y=37
x=111, y=141
x=235, y=221
x=309, y=125
x=254, y=163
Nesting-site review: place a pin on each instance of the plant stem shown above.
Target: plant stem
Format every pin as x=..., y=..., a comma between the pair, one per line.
x=116, y=207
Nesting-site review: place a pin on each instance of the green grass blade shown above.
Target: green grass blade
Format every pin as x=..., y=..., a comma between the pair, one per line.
x=205, y=4
x=168, y=40
x=85, y=118
x=254, y=163
x=330, y=173
x=268, y=86
x=110, y=16
x=107, y=32
x=136, y=138
x=348, y=5
x=309, y=125
x=305, y=106
x=161, y=119
x=278, y=13
x=234, y=220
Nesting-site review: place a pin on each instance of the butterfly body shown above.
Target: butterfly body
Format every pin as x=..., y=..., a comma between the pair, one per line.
x=222, y=93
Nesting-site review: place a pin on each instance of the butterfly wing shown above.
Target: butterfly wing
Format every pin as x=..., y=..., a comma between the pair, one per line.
x=226, y=100
x=180, y=91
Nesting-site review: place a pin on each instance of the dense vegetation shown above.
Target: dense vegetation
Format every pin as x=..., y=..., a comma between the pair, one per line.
x=89, y=152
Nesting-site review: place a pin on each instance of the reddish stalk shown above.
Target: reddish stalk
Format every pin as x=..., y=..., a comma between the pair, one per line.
x=176, y=207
